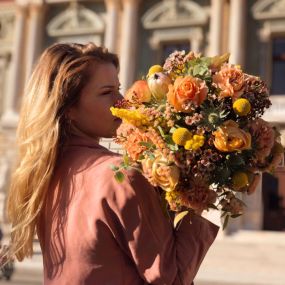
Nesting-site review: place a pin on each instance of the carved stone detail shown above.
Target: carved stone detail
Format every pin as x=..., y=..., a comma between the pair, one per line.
x=75, y=20
x=7, y=27
x=269, y=9
x=174, y=13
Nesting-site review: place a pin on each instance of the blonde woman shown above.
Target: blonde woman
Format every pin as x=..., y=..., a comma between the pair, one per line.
x=91, y=229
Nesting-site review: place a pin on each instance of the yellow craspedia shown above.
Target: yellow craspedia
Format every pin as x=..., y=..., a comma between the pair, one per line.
x=242, y=107
x=154, y=69
x=240, y=180
x=181, y=136
x=133, y=117
x=195, y=143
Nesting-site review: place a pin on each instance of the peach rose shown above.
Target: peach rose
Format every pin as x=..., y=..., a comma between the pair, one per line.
x=161, y=173
x=230, y=79
x=139, y=92
x=229, y=137
x=186, y=91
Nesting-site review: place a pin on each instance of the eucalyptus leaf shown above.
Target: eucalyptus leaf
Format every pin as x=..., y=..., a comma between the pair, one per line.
x=179, y=217
x=114, y=167
x=161, y=131
x=119, y=176
x=212, y=206
x=126, y=160
x=226, y=221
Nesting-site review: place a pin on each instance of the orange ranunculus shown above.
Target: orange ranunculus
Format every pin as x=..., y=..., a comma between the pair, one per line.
x=230, y=79
x=229, y=137
x=139, y=92
x=185, y=91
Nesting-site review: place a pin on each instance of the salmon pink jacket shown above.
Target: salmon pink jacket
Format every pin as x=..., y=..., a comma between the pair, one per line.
x=96, y=231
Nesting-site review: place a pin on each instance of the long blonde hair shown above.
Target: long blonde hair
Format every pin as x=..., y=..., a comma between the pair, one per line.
x=55, y=85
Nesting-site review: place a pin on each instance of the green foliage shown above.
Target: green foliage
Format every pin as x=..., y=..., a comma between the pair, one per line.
x=199, y=67
x=119, y=176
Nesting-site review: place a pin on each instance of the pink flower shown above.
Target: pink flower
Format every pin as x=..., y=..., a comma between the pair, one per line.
x=230, y=79
x=264, y=138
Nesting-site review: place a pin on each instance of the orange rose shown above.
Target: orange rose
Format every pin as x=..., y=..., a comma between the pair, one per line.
x=185, y=91
x=230, y=79
x=229, y=137
x=139, y=92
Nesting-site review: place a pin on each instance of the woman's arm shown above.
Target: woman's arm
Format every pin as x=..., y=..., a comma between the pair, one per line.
x=161, y=254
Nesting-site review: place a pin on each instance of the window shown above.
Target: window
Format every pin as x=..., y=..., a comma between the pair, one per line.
x=168, y=48
x=278, y=66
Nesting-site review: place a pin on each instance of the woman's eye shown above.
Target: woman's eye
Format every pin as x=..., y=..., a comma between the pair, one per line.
x=107, y=93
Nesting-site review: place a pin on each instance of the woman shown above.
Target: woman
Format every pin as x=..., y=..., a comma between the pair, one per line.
x=92, y=230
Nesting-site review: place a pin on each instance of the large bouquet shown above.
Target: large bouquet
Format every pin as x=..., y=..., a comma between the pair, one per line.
x=194, y=129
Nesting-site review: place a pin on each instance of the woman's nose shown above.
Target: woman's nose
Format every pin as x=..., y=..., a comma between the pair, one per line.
x=120, y=96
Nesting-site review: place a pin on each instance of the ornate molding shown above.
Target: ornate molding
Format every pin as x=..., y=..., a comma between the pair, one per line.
x=174, y=13
x=269, y=9
x=7, y=28
x=75, y=20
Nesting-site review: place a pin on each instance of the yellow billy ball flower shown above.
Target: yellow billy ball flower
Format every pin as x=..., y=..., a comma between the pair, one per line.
x=240, y=180
x=196, y=142
x=154, y=69
x=242, y=107
x=181, y=135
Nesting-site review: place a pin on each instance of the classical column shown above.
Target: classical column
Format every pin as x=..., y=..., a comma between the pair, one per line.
x=34, y=36
x=253, y=215
x=216, y=21
x=128, y=42
x=237, y=31
x=111, y=34
x=10, y=115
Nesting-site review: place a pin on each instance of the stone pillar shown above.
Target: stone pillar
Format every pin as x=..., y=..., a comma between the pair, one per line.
x=252, y=218
x=196, y=40
x=216, y=21
x=111, y=34
x=237, y=31
x=10, y=116
x=128, y=42
x=35, y=36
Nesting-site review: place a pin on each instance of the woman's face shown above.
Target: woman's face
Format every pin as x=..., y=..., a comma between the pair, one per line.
x=91, y=115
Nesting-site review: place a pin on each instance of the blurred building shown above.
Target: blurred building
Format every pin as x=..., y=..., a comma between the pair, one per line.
x=143, y=33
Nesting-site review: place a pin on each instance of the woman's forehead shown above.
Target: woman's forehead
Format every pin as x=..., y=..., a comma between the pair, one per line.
x=104, y=74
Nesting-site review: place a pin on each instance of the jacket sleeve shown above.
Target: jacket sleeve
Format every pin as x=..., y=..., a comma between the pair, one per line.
x=162, y=255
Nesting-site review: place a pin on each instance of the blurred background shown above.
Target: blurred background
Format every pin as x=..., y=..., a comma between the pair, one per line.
x=143, y=32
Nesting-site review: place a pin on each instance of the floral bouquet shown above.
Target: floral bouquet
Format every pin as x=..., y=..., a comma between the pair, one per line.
x=193, y=127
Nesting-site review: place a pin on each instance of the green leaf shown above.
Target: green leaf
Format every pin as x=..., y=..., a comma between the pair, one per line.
x=172, y=130
x=226, y=221
x=114, y=167
x=119, y=176
x=148, y=144
x=126, y=160
x=212, y=206
x=161, y=131
x=179, y=217
x=141, y=157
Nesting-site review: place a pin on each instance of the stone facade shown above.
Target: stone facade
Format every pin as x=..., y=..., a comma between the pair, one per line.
x=142, y=33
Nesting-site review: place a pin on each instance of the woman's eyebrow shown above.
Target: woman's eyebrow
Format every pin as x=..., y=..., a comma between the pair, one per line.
x=109, y=86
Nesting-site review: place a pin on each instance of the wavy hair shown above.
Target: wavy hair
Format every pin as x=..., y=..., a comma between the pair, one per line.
x=55, y=85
